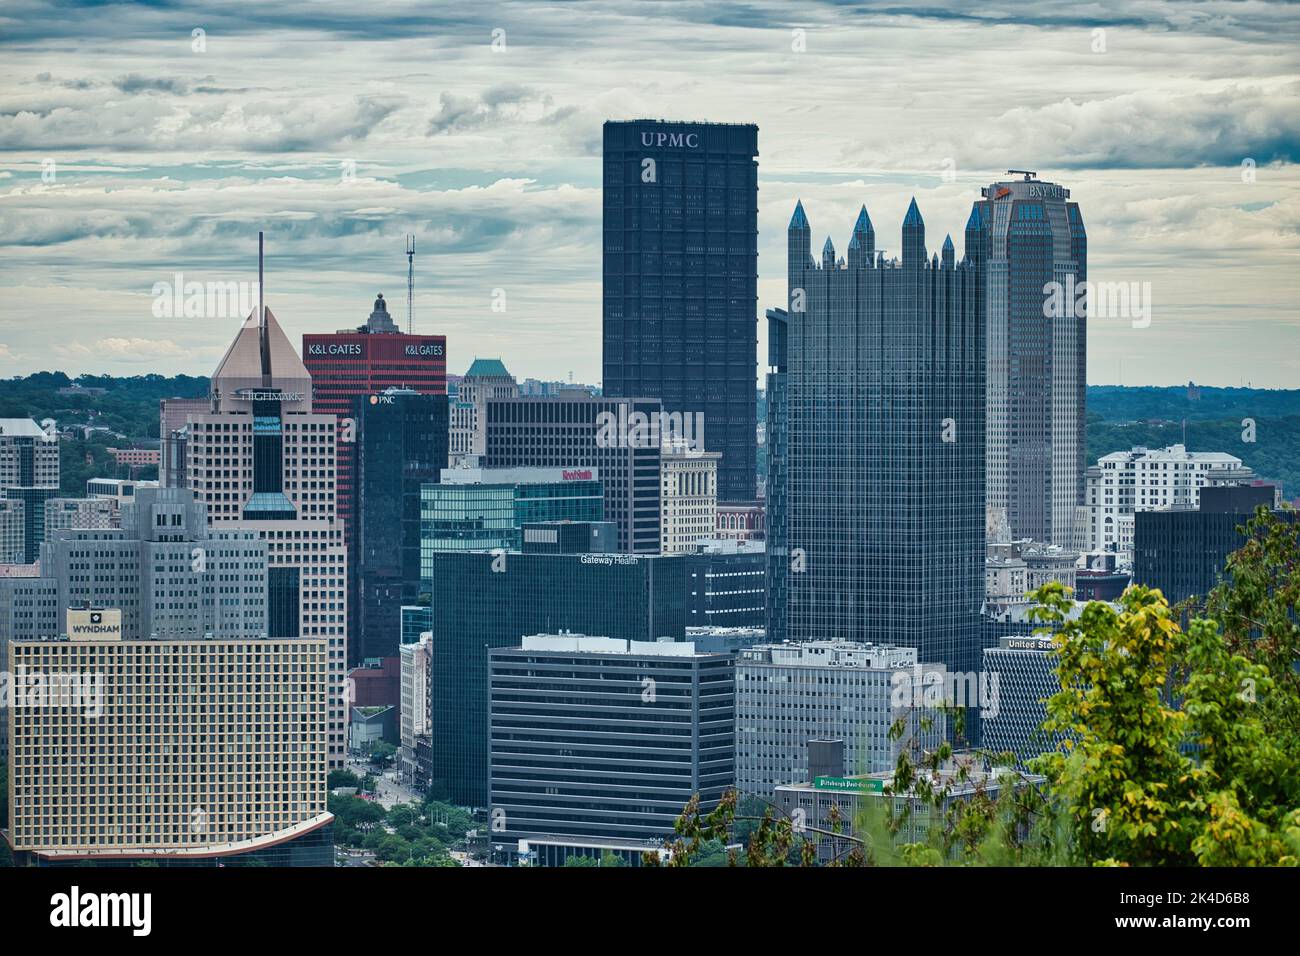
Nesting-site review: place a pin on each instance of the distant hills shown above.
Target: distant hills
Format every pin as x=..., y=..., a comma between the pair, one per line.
x=1119, y=417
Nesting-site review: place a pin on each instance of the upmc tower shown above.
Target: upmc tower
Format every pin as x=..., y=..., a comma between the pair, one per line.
x=362, y=362
x=680, y=317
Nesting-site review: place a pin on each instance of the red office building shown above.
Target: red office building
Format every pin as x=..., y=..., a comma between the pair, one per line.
x=354, y=363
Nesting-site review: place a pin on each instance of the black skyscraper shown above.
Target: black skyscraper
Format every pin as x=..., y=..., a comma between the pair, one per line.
x=402, y=442
x=681, y=279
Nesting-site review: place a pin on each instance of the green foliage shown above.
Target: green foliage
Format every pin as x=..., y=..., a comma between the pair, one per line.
x=1171, y=760
x=1176, y=747
x=581, y=861
x=382, y=753
x=343, y=778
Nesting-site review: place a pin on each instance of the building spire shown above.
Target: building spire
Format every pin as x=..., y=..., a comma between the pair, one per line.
x=798, y=220
x=913, y=237
x=263, y=340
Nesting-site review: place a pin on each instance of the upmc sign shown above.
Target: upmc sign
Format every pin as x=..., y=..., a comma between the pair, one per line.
x=672, y=140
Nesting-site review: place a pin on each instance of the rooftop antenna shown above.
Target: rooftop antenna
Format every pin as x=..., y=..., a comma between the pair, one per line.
x=410, y=280
x=264, y=345
x=1027, y=173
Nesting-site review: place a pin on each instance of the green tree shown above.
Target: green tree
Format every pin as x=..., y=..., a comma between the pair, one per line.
x=1170, y=759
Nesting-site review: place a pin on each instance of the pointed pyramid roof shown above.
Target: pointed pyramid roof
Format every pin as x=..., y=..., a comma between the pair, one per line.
x=798, y=220
x=947, y=242
x=241, y=366
x=828, y=249
x=863, y=223
x=976, y=221
x=913, y=217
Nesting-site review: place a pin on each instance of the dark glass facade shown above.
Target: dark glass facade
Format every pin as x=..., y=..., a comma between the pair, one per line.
x=778, y=451
x=885, y=464
x=483, y=600
x=726, y=588
x=680, y=279
x=33, y=500
x=401, y=442
x=1185, y=553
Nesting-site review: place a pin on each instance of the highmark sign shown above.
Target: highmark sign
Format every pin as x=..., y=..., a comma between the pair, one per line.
x=850, y=784
x=267, y=395
x=99, y=624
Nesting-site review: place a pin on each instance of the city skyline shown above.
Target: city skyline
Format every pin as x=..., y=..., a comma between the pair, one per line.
x=166, y=160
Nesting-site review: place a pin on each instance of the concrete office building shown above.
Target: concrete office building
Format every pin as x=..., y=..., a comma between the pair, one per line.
x=620, y=438
x=680, y=279
x=487, y=379
x=29, y=457
x=1144, y=479
x=13, y=532
x=484, y=600
x=63, y=513
x=885, y=469
x=1012, y=569
x=29, y=476
x=789, y=694
x=171, y=574
x=415, y=704
x=29, y=610
x=602, y=741
x=120, y=490
x=688, y=498
x=1025, y=239
x=173, y=430
x=200, y=752
x=262, y=460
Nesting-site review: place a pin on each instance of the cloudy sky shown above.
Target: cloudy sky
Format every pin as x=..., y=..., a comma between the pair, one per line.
x=132, y=149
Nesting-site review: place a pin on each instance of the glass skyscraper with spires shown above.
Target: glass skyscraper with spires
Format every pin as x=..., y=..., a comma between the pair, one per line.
x=883, y=517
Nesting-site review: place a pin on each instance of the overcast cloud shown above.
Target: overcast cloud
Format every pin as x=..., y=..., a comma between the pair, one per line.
x=338, y=128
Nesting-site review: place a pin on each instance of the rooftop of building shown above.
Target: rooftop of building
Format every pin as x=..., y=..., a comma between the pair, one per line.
x=21, y=427
x=588, y=644
x=833, y=653
x=488, y=368
x=1170, y=453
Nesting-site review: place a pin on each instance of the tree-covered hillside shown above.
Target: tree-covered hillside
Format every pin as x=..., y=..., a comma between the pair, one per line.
x=127, y=408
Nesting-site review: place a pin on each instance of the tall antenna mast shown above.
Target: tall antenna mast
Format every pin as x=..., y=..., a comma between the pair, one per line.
x=410, y=280
x=264, y=345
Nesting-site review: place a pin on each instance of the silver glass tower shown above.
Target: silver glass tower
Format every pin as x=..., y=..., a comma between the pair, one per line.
x=1028, y=240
